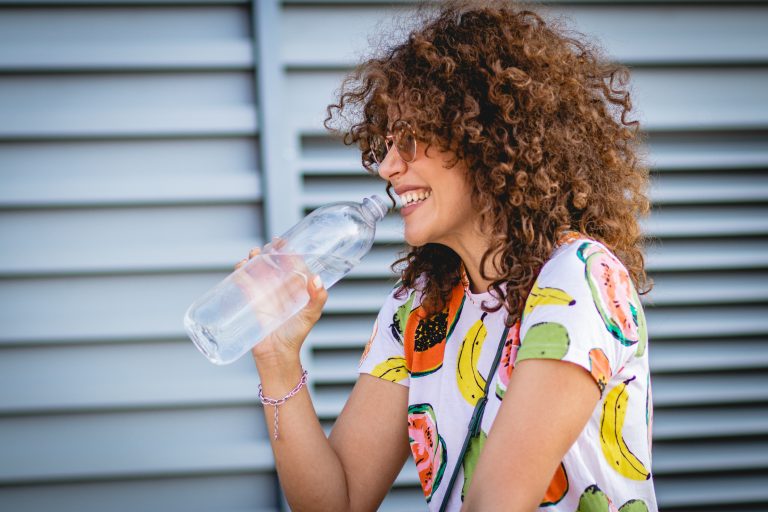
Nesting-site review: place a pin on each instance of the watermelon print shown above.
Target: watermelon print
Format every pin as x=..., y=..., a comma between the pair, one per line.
x=507, y=363
x=613, y=294
x=427, y=446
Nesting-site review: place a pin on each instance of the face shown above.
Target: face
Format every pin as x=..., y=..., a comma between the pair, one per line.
x=437, y=204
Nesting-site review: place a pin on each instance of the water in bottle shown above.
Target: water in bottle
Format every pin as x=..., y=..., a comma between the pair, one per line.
x=228, y=320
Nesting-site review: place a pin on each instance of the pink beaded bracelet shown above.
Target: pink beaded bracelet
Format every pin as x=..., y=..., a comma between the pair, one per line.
x=277, y=402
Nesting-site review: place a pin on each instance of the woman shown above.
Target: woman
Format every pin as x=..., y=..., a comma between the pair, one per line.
x=508, y=144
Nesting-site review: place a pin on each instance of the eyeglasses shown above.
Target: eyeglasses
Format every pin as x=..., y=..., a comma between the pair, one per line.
x=404, y=139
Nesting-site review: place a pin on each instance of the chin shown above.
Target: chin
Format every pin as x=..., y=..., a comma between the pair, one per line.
x=415, y=239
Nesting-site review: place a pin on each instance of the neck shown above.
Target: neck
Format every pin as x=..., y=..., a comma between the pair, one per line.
x=471, y=250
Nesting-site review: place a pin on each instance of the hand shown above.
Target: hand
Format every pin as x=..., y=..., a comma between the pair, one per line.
x=285, y=342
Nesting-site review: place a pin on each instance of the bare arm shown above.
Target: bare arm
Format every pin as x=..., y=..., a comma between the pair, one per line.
x=354, y=469
x=546, y=407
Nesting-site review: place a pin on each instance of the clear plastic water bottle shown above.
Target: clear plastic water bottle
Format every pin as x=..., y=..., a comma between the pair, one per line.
x=233, y=316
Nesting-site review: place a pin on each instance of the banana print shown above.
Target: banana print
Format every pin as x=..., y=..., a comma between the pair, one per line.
x=546, y=296
x=471, y=382
x=392, y=369
x=615, y=450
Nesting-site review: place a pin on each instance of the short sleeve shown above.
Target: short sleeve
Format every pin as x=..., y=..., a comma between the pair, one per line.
x=384, y=356
x=583, y=308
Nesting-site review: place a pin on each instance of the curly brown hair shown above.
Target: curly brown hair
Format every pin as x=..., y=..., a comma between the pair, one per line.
x=540, y=118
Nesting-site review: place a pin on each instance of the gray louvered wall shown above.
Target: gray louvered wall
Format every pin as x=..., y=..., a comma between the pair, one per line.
x=130, y=181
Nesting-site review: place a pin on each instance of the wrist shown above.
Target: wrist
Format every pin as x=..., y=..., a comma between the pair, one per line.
x=278, y=370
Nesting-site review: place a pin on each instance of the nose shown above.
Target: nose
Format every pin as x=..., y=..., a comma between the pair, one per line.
x=392, y=166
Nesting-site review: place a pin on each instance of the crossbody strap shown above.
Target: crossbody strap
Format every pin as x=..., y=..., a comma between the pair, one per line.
x=474, y=422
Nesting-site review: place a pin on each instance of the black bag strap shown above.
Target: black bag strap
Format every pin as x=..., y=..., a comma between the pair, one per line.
x=474, y=422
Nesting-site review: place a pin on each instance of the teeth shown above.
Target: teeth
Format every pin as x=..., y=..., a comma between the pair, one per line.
x=414, y=197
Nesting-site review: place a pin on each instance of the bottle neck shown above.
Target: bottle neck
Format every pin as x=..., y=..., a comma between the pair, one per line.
x=374, y=209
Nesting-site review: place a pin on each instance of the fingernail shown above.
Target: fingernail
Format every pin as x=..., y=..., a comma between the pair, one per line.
x=317, y=282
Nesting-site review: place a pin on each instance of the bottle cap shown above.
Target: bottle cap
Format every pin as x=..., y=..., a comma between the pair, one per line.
x=376, y=206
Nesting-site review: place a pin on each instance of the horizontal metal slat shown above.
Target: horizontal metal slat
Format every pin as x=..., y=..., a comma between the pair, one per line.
x=702, y=99
x=127, y=56
x=708, y=355
x=706, y=222
x=713, y=151
x=97, y=309
x=100, y=124
x=707, y=322
x=691, y=390
x=686, y=289
x=119, y=227
x=709, y=456
x=109, y=190
x=709, y=490
x=221, y=492
x=101, y=445
x=154, y=258
x=685, y=424
x=688, y=255
x=125, y=160
x=709, y=189
x=123, y=458
x=120, y=376
x=621, y=28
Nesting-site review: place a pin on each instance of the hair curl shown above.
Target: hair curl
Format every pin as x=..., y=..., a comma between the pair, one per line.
x=539, y=117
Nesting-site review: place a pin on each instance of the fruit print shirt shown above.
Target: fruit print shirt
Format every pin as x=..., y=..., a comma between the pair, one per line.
x=582, y=309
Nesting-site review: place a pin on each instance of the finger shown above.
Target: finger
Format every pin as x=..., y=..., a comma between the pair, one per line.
x=318, y=295
x=241, y=263
x=254, y=252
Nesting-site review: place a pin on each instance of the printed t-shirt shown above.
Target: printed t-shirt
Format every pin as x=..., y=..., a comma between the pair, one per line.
x=583, y=308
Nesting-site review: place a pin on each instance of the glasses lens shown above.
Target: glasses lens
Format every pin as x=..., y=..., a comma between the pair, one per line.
x=405, y=140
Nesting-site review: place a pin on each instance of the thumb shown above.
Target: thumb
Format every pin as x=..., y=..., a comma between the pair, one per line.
x=318, y=296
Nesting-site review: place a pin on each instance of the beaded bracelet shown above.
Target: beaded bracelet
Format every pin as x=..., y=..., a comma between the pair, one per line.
x=276, y=402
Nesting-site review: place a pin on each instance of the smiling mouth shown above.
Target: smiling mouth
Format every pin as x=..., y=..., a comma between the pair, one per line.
x=414, y=196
